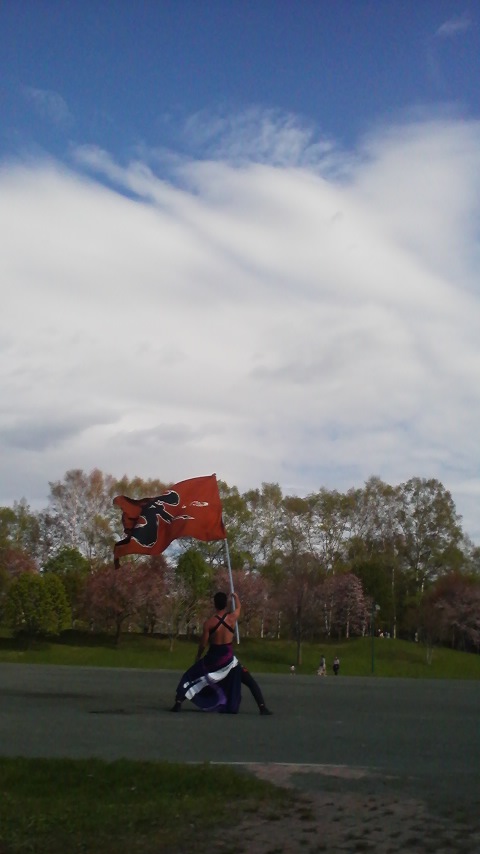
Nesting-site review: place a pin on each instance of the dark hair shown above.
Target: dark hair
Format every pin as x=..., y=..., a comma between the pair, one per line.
x=220, y=600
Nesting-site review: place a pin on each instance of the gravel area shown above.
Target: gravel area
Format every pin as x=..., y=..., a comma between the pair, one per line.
x=335, y=820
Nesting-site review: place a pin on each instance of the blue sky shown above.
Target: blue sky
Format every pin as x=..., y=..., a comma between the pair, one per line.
x=123, y=74
x=241, y=237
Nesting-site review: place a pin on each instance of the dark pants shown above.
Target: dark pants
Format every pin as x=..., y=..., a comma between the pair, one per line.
x=249, y=681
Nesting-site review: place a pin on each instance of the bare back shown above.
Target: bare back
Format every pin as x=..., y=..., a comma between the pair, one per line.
x=220, y=628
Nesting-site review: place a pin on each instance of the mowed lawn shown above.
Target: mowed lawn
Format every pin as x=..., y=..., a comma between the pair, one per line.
x=94, y=807
x=358, y=656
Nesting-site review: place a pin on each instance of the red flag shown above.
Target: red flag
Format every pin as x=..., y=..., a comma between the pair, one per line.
x=191, y=508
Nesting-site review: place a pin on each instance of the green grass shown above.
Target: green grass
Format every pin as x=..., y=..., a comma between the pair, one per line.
x=94, y=807
x=391, y=657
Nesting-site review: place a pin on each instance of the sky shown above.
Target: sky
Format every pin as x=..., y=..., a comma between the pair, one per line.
x=241, y=237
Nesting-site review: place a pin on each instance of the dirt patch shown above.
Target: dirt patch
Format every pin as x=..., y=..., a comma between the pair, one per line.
x=343, y=822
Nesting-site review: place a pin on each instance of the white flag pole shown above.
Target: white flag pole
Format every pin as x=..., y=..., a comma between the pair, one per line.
x=227, y=553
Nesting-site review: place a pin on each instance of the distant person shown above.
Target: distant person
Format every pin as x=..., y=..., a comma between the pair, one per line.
x=322, y=667
x=292, y=670
x=336, y=665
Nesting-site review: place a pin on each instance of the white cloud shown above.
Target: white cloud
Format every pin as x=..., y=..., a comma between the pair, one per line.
x=259, y=135
x=271, y=320
x=49, y=105
x=454, y=26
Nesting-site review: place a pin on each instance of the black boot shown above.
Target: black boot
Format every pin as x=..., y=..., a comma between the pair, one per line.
x=263, y=710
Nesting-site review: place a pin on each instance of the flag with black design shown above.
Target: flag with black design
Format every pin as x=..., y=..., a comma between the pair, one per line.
x=191, y=508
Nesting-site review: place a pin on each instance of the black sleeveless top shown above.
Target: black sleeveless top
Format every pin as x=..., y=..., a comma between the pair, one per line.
x=221, y=622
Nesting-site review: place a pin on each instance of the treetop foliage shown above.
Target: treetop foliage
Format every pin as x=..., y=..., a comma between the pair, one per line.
x=329, y=553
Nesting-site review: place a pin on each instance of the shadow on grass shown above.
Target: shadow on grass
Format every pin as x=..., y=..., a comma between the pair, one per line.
x=73, y=637
x=11, y=644
x=21, y=642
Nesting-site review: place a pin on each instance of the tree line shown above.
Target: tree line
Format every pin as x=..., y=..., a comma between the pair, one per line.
x=305, y=568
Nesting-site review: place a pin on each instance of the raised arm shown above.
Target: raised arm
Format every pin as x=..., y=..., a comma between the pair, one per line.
x=237, y=606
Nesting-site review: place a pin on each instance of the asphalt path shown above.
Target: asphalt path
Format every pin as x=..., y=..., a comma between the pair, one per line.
x=417, y=736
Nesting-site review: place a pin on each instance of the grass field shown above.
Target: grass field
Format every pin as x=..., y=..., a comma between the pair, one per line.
x=94, y=807
x=387, y=657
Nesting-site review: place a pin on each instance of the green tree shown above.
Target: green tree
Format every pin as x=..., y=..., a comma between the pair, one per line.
x=265, y=508
x=330, y=513
x=430, y=531
x=60, y=607
x=471, y=556
x=73, y=569
x=7, y=522
x=237, y=519
x=67, y=560
x=197, y=576
x=302, y=571
x=374, y=547
x=196, y=573
x=19, y=529
x=36, y=606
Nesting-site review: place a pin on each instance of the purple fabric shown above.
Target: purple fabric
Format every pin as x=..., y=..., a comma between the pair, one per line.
x=213, y=683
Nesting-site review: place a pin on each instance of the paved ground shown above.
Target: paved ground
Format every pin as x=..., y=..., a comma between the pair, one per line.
x=418, y=741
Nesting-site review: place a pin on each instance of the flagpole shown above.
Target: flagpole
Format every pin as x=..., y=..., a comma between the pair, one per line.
x=229, y=566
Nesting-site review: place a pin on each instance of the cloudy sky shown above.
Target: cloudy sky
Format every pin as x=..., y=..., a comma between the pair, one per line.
x=240, y=237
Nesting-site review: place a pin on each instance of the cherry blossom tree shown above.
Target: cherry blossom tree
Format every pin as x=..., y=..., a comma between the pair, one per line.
x=151, y=587
x=175, y=604
x=344, y=607
x=450, y=612
x=111, y=598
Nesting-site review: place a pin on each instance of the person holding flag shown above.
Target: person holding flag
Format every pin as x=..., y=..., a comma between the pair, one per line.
x=213, y=683
x=192, y=508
